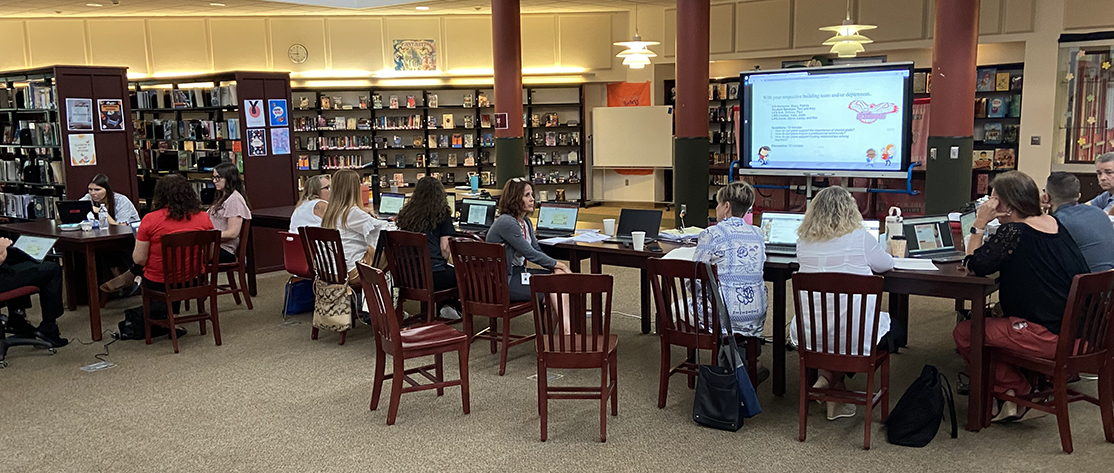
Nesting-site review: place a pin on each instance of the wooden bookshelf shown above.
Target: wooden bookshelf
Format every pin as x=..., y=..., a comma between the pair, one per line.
x=723, y=99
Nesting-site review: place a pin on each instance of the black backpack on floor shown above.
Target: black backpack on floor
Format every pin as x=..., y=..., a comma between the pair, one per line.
x=916, y=418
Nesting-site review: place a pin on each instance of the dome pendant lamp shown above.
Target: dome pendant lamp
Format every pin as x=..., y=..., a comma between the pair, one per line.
x=847, y=41
x=637, y=55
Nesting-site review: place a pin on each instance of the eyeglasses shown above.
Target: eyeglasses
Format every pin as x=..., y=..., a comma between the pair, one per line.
x=218, y=178
x=324, y=188
x=520, y=179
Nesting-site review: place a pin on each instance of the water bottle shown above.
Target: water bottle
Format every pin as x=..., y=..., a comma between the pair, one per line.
x=102, y=217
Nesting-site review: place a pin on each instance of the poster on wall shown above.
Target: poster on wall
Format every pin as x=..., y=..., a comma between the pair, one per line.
x=83, y=150
x=277, y=111
x=111, y=113
x=253, y=110
x=79, y=114
x=415, y=55
x=280, y=141
x=257, y=142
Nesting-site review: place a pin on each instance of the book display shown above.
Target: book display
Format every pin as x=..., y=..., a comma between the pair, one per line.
x=554, y=141
x=723, y=104
x=53, y=129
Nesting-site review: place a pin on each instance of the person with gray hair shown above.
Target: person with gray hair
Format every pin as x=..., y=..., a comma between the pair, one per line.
x=1104, y=169
x=1089, y=227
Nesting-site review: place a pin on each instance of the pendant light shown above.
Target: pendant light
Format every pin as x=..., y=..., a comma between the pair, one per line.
x=847, y=41
x=637, y=55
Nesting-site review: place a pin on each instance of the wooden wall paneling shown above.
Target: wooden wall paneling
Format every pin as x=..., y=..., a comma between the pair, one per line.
x=357, y=43
x=810, y=15
x=585, y=41
x=897, y=20
x=271, y=180
x=115, y=149
x=721, y=34
x=55, y=42
x=239, y=44
x=15, y=45
x=118, y=42
x=539, y=41
x=669, y=41
x=763, y=25
x=1088, y=14
x=1018, y=16
x=990, y=17
x=179, y=46
x=309, y=32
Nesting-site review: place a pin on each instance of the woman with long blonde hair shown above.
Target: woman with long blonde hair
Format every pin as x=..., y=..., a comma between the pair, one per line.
x=311, y=206
x=359, y=231
x=832, y=239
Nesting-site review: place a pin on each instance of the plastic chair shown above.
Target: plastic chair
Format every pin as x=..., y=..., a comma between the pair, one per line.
x=15, y=340
x=190, y=261
x=695, y=326
x=838, y=293
x=1089, y=314
x=410, y=265
x=239, y=267
x=481, y=275
x=295, y=262
x=326, y=256
x=584, y=341
x=434, y=339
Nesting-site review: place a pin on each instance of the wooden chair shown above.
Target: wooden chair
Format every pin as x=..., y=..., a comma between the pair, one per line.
x=239, y=267
x=17, y=340
x=481, y=275
x=325, y=253
x=434, y=339
x=1090, y=316
x=676, y=285
x=821, y=293
x=190, y=261
x=410, y=265
x=582, y=342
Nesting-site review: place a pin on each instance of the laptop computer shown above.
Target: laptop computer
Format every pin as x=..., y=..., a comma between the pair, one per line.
x=557, y=219
x=779, y=231
x=73, y=211
x=390, y=204
x=873, y=227
x=931, y=238
x=637, y=220
x=477, y=215
x=35, y=247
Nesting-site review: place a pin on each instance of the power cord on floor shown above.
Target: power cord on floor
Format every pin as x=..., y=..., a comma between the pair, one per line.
x=100, y=356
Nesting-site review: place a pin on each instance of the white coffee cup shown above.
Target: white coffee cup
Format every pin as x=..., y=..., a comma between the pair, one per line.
x=87, y=225
x=609, y=226
x=639, y=239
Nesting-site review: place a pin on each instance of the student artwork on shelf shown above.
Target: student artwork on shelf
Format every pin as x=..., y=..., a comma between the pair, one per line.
x=280, y=141
x=257, y=142
x=111, y=114
x=277, y=112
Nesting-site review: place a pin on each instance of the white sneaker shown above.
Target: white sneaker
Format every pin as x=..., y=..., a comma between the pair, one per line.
x=838, y=410
x=449, y=313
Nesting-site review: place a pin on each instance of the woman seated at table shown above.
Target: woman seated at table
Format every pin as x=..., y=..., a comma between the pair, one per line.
x=175, y=208
x=1036, y=260
x=831, y=239
x=515, y=231
x=311, y=206
x=121, y=211
x=359, y=231
x=426, y=211
x=229, y=210
x=738, y=250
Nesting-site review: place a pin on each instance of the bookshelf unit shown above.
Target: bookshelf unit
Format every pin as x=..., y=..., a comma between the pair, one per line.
x=36, y=168
x=554, y=118
x=723, y=102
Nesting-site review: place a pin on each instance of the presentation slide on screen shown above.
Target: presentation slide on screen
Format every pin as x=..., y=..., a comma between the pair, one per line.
x=563, y=218
x=477, y=214
x=837, y=121
x=391, y=204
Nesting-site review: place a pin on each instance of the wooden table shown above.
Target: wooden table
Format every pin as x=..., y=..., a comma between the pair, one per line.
x=274, y=218
x=72, y=243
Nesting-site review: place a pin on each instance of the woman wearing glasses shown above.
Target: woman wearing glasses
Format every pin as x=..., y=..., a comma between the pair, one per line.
x=229, y=210
x=311, y=207
x=515, y=231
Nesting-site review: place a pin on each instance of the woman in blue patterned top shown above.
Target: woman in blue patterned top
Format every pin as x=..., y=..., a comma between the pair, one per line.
x=738, y=250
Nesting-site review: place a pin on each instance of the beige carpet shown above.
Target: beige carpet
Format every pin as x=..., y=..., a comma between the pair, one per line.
x=271, y=399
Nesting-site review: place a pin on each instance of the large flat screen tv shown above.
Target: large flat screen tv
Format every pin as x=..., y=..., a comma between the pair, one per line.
x=827, y=121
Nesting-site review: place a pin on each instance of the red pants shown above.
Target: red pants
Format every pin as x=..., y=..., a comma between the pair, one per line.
x=1014, y=334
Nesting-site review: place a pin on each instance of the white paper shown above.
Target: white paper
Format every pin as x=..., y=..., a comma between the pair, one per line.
x=914, y=264
x=83, y=150
x=586, y=237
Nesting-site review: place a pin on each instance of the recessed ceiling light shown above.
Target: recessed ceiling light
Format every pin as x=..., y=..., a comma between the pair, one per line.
x=421, y=8
x=216, y=4
x=93, y=5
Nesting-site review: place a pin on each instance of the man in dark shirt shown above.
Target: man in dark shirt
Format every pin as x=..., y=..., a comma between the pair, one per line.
x=1089, y=226
x=18, y=270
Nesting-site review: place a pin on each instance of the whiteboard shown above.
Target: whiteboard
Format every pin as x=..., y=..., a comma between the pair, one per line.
x=632, y=137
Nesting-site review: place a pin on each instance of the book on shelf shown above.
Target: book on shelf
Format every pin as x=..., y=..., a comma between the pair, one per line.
x=469, y=140
x=326, y=103
x=551, y=119
x=488, y=140
x=458, y=140
x=485, y=121
x=452, y=160
x=997, y=107
x=399, y=179
x=376, y=101
x=551, y=138
x=481, y=100
x=469, y=159
x=434, y=159
x=985, y=80
x=432, y=98
x=410, y=102
x=1002, y=82
x=419, y=161
x=469, y=121
x=431, y=122
x=394, y=102
x=467, y=100
x=338, y=103
x=443, y=141
x=400, y=160
x=419, y=176
x=733, y=91
x=993, y=132
x=396, y=141
x=363, y=102
x=1015, y=106
x=1011, y=133
x=982, y=159
x=418, y=141
x=982, y=183
x=1015, y=82
x=447, y=121
x=1005, y=158
x=980, y=107
x=535, y=120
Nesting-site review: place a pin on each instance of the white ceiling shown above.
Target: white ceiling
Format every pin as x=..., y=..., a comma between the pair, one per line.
x=147, y=8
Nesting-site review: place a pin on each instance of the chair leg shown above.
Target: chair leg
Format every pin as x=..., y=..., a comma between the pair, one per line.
x=343, y=337
x=603, y=403
x=147, y=319
x=377, y=383
x=396, y=390
x=494, y=330
x=692, y=359
x=615, y=383
x=214, y=317
x=465, y=398
x=885, y=388
x=506, y=346
x=231, y=277
x=468, y=328
x=663, y=376
x=439, y=372
x=172, y=326
x=1106, y=401
x=244, y=287
x=1061, y=399
x=543, y=397
x=869, y=409
x=313, y=334
x=802, y=421
x=286, y=297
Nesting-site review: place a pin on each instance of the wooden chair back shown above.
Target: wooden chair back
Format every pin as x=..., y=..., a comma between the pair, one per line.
x=818, y=294
x=481, y=275
x=1090, y=316
x=294, y=259
x=326, y=254
x=584, y=333
x=190, y=261
x=245, y=233
x=380, y=308
x=687, y=312
x=410, y=265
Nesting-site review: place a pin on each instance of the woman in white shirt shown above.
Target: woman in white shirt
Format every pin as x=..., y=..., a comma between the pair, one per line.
x=359, y=231
x=311, y=207
x=121, y=211
x=831, y=239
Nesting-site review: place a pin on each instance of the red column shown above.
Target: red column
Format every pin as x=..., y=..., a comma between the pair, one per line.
x=506, y=38
x=692, y=68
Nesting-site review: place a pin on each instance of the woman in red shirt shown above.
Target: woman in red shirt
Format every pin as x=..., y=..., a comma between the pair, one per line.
x=176, y=208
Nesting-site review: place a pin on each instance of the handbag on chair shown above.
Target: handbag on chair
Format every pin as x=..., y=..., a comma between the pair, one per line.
x=724, y=395
x=332, y=306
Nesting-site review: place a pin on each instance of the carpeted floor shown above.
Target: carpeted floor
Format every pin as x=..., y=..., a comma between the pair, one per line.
x=270, y=399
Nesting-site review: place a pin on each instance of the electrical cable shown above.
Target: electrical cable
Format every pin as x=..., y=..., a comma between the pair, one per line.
x=100, y=356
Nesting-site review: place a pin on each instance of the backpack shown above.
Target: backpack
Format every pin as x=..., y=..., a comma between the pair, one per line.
x=131, y=328
x=916, y=418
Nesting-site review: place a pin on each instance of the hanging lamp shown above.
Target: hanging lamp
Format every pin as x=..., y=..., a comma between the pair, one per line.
x=847, y=41
x=637, y=55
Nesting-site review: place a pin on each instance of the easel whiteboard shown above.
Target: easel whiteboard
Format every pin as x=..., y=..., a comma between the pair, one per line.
x=640, y=137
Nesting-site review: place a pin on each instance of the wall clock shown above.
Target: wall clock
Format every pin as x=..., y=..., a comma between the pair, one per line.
x=297, y=53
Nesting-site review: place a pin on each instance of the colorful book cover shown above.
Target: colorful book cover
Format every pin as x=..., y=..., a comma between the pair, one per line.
x=996, y=107
x=985, y=81
x=1005, y=158
x=257, y=142
x=447, y=121
x=992, y=132
x=1002, y=81
x=982, y=159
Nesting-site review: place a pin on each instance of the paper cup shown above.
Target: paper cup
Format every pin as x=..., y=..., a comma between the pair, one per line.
x=87, y=226
x=609, y=226
x=639, y=239
x=897, y=246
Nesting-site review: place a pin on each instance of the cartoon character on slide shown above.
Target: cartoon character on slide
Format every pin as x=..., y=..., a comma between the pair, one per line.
x=764, y=155
x=870, y=155
x=888, y=154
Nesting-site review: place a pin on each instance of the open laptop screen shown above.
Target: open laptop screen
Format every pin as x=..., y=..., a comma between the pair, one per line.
x=557, y=217
x=390, y=204
x=479, y=212
x=928, y=234
x=639, y=220
x=780, y=228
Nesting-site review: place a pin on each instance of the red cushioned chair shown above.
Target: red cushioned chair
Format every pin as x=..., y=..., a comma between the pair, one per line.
x=294, y=261
x=14, y=340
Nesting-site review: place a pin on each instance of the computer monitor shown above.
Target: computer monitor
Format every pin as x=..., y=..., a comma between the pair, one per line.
x=390, y=204
x=639, y=220
x=555, y=216
x=928, y=234
x=477, y=212
x=780, y=228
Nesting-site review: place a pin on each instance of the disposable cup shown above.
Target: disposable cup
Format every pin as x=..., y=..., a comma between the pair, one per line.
x=639, y=239
x=609, y=226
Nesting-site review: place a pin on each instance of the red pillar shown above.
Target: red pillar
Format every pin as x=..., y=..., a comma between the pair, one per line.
x=954, y=50
x=690, y=148
x=506, y=38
